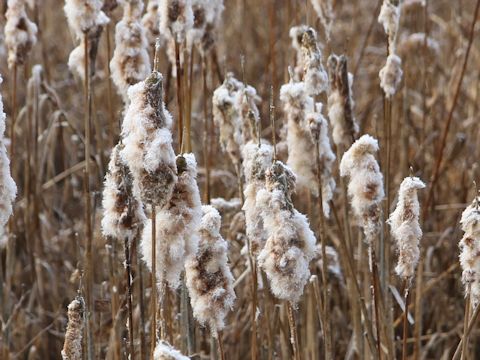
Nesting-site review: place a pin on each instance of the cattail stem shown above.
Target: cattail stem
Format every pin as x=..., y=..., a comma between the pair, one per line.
x=141, y=300
x=128, y=274
x=153, y=305
x=221, y=349
x=14, y=116
x=179, y=93
x=465, y=323
x=293, y=331
x=471, y=324
x=163, y=301
x=188, y=118
x=88, y=225
x=111, y=116
x=405, y=321
x=253, y=266
x=323, y=240
x=375, y=295
x=206, y=132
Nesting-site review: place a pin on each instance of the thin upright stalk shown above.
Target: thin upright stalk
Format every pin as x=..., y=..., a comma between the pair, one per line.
x=221, y=349
x=375, y=296
x=206, y=132
x=128, y=274
x=465, y=323
x=88, y=217
x=153, y=308
x=179, y=93
x=405, y=321
x=471, y=324
x=293, y=331
x=253, y=266
x=141, y=301
x=111, y=116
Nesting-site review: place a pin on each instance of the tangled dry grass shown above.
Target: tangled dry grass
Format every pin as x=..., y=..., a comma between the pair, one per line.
x=244, y=157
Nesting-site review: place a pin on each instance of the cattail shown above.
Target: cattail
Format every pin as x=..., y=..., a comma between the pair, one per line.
x=257, y=160
x=176, y=225
x=296, y=34
x=85, y=18
x=365, y=187
x=302, y=118
x=165, y=351
x=315, y=77
x=148, y=150
x=340, y=102
x=291, y=244
x=207, y=17
x=391, y=74
x=8, y=188
x=72, y=347
x=227, y=118
x=151, y=24
x=319, y=133
x=246, y=103
x=405, y=227
x=176, y=18
x=130, y=63
x=209, y=279
x=470, y=250
x=123, y=213
x=20, y=33
x=324, y=10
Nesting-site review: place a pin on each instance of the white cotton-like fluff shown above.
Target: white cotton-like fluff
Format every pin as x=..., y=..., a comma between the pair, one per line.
x=365, y=187
x=290, y=245
x=151, y=24
x=389, y=18
x=340, y=102
x=208, y=276
x=315, y=77
x=324, y=10
x=257, y=159
x=20, y=33
x=85, y=16
x=470, y=250
x=207, y=16
x=165, y=351
x=8, y=188
x=148, y=150
x=130, y=62
x=176, y=225
x=227, y=117
x=302, y=118
x=233, y=205
x=333, y=261
x=391, y=75
x=296, y=34
x=176, y=17
x=406, y=228
x=319, y=133
x=123, y=215
x=72, y=347
x=246, y=104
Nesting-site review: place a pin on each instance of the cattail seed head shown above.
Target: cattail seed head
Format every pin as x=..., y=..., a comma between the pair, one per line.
x=406, y=228
x=176, y=225
x=130, y=62
x=176, y=17
x=123, y=213
x=208, y=276
x=470, y=250
x=8, y=188
x=315, y=76
x=291, y=244
x=165, y=351
x=391, y=75
x=20, y=33
x=148, y=150
x=365, y=186
x=72, y=347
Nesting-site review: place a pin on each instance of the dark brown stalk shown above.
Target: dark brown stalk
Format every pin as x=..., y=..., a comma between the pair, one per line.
x=128, y=274
x=188, y=117
x=443, y=142
x=375, y=296
x=153, y=305
x=179, y=93
x=221, y=349
x=206, y=132
x=471, y=324
x=88, y=216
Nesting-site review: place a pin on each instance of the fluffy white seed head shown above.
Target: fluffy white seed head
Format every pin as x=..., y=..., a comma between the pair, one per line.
x=365, y=187
x=405, y=227
x=257, y=160
x=340, y=102
x=291, y=244
x=176, y=225
x=176, y=17
x=208, y=275
x=85, y=16
x=315, y=76
x=8, y=188
x=391, y=75
x=130, y=62
x=389, y=18
x=148, y=150
x=165, y=351
x=227, y=118
x=123, y=215
x=72, y=347
x=470, y=250
x=20, y=33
